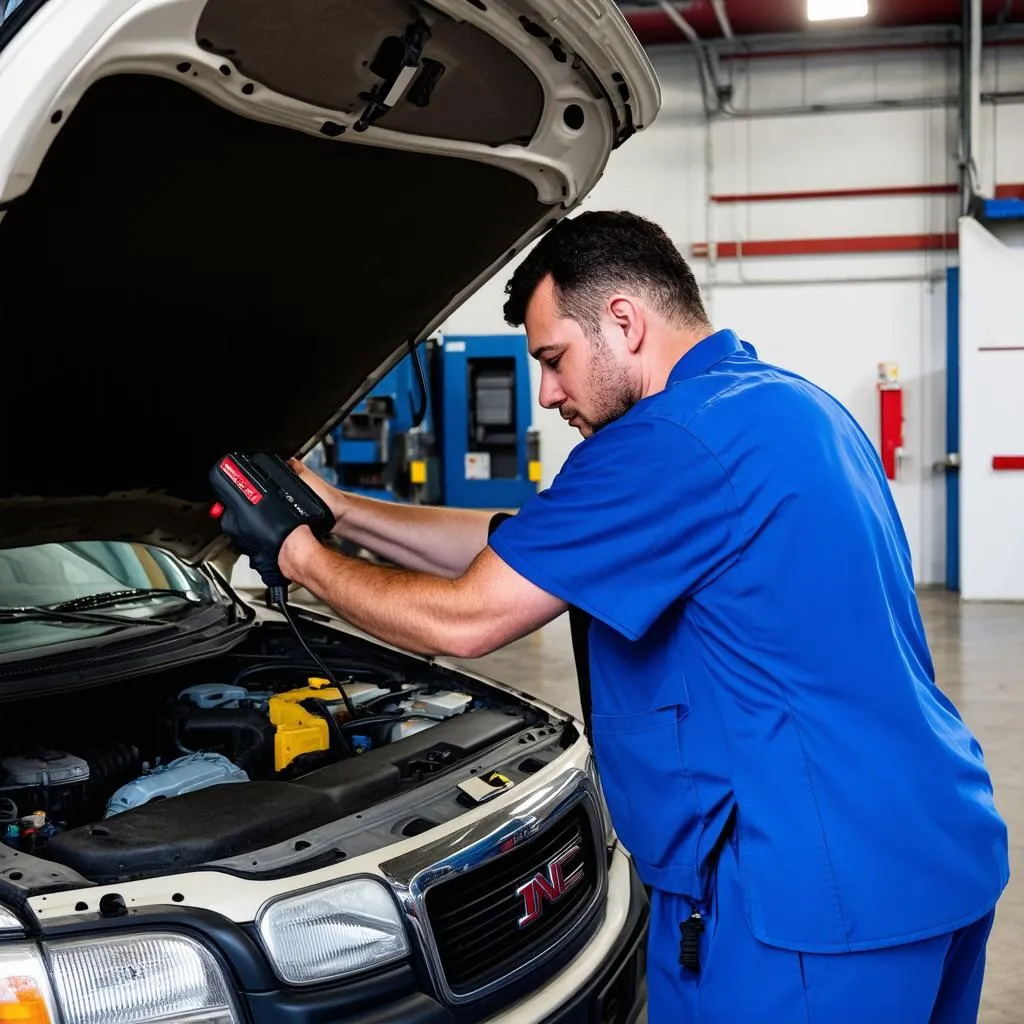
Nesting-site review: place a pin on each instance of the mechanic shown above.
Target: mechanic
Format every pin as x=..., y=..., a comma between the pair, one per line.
x=814, y=819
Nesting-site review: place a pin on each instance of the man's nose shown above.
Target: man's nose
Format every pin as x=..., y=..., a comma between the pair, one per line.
x=551, y=395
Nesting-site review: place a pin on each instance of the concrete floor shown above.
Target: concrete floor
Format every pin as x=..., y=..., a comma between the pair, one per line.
x=979, y=660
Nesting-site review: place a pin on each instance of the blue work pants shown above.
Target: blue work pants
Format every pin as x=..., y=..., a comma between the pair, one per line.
x=743, y=981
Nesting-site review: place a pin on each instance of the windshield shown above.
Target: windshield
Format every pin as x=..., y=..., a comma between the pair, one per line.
x=14, y=14
x=141, y=582
x=8, y=7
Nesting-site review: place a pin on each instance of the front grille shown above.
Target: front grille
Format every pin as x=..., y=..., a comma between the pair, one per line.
x=475, y=917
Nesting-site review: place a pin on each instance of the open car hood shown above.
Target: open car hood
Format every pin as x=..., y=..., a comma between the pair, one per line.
x=222, y=221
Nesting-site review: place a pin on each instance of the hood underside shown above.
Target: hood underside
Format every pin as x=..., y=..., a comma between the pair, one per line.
x=179, y=281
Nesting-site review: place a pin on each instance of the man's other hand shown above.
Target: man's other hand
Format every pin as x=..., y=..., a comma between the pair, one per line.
x=295, y=552
x=336, y=501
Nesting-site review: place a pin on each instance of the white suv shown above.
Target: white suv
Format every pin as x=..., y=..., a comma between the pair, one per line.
x=221, y=221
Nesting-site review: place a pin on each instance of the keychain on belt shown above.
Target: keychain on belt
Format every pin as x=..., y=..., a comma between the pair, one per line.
x=690, y=932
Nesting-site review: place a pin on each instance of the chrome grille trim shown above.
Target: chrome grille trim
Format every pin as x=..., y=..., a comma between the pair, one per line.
x=474, y=846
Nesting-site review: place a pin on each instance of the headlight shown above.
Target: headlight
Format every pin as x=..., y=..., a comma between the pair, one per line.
x=139, y=978
x=333, y=931
x=8, y=921
x=25, y=995
x=610, y=838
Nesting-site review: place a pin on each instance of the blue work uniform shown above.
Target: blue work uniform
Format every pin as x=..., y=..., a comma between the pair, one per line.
x=771, y=741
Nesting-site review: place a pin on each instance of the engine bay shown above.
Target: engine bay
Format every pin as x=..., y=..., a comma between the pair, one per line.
x=172, y=769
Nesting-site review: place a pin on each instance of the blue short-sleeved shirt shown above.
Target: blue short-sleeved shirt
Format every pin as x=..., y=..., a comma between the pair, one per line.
x=756, y=649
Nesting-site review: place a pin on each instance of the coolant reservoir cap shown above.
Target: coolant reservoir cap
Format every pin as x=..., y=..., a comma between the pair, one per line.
x=316, y=683
x=45, y=768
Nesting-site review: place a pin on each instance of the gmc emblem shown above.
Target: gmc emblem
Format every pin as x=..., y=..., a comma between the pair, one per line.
x=550, y=885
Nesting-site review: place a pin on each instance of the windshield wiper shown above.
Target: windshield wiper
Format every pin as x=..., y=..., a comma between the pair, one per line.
x=129, y=596
x=78, y=609
x=40, y=613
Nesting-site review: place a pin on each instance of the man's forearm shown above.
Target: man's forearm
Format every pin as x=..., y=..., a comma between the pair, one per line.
x=443, y=541
x=487, y=607
x=417, y=612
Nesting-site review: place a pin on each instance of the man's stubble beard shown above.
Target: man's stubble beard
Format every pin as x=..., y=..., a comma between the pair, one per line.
x=613, y=391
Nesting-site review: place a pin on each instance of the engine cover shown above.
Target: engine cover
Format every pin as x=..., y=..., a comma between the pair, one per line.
x=165, y=835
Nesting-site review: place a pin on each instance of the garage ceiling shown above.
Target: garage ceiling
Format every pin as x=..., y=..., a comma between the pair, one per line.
x=653, y=26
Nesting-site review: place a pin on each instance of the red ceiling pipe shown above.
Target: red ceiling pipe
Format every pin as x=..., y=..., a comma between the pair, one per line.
x=834, y=51
x=652, y=26
x=829, y=246
x=839, y=193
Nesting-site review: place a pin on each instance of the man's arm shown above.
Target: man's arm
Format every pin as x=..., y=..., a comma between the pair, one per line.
x=441, y=541
x=487, y=607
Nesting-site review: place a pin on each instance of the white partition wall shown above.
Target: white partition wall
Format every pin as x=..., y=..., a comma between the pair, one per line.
x=991, y=416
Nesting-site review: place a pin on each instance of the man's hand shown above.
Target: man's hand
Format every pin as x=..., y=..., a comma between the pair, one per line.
x=260, y=502
x=296, y=550
x=335, y=500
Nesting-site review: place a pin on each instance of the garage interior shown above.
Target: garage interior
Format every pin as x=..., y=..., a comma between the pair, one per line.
x=819, y=177
x=846, y=179
x=851, y=196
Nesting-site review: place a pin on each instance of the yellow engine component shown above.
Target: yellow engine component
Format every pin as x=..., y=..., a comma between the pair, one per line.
x=300, y=731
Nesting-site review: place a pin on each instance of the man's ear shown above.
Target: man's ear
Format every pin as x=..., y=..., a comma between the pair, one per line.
x=629, y=317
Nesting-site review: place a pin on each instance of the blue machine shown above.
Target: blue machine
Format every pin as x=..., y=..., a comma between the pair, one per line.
x=370, y=446
x=475, y=446
x=488, y=446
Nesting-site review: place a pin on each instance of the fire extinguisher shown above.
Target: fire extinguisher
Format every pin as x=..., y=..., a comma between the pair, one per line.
x=890, y=419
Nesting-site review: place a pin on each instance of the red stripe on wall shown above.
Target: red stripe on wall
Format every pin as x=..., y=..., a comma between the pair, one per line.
x=1008, y=461
x=1010, y=191
x=826, y=246
x=838, y=193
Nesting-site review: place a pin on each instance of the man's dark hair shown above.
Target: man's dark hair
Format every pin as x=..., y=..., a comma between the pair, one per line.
x=596, y=253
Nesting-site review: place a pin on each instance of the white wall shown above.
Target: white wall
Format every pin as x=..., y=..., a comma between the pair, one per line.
x=992, y=415
x=834, y=317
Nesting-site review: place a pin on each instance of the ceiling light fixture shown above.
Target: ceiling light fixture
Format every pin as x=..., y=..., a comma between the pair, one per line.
x=831, y=10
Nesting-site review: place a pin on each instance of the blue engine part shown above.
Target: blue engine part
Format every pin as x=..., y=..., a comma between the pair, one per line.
x=213, y=695
x=216, y=695
x=183, y=775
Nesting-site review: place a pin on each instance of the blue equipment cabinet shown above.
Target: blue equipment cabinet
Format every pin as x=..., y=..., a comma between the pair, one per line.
x=370, y=451
x=475, y=446
x=483, y=421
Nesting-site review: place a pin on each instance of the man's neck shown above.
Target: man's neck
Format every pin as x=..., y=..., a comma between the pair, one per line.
x=676, y=345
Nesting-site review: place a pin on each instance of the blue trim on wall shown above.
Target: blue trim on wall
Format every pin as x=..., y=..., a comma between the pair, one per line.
x=1010, y=208
x=952, y=427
